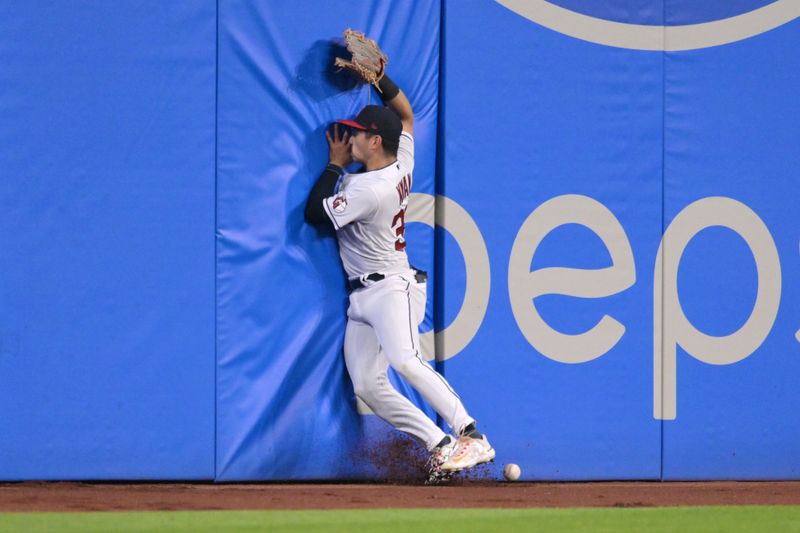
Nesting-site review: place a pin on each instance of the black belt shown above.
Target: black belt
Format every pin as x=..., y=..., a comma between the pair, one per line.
x=359, y=283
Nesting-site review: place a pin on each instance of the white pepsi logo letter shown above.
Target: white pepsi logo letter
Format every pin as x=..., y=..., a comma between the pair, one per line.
x=653, y=37
x=677, y=330
x=455, y=219
x=524, y=285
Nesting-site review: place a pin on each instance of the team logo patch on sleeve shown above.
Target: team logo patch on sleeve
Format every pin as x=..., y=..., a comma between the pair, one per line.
x=339, y=203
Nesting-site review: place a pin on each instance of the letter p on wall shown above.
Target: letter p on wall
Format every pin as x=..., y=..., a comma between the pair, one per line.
x=670, y=325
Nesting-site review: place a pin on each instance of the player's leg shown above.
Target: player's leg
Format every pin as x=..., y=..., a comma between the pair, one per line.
x=394, y=313
x=367, y=368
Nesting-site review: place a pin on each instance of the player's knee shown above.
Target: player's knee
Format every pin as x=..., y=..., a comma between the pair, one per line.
x=365, y=393
x=409, y=367
x=367, y=389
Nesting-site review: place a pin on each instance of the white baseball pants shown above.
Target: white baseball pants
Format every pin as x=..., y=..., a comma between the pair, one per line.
x=383, y=329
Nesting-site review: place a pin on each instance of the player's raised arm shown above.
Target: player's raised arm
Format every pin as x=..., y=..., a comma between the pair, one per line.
x=397, y=101
x=369, y=64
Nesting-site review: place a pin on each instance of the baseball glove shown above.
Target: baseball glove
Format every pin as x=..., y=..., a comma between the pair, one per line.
x=368, y=62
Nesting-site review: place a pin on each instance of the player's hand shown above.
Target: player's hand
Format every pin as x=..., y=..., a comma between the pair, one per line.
x=339, y=147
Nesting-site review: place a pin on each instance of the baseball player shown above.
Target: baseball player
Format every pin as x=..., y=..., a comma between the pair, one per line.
x=388, y=297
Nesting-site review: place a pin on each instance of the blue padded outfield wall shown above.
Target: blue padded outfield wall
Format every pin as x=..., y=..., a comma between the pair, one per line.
x=571, y=143
x=106, y=230
x=616, y=259
x=283, y=391
x=732, y=130
x=606, y=139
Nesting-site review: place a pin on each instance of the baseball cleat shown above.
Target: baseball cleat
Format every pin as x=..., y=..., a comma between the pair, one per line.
x=469, y=452
x=438, y=476
x=439, y=456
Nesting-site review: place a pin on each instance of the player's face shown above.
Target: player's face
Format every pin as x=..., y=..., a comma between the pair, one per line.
x=359, y=146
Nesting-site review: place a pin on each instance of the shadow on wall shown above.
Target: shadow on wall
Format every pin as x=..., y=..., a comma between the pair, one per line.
x=317, y=82
x=317, y=77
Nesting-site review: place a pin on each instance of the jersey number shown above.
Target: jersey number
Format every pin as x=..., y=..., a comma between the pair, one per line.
x=400, y=230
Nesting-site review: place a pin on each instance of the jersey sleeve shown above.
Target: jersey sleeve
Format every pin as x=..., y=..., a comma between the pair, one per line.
x=405, y=152
x=350, y=205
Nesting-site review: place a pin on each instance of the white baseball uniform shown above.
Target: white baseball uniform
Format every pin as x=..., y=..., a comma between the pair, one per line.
x=383, y=317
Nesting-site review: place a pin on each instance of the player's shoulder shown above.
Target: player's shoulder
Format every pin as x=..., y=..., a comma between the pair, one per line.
x=363, y=186
x=384, y=182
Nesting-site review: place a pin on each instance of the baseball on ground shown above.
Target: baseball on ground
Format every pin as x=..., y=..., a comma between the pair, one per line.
x=512, y=472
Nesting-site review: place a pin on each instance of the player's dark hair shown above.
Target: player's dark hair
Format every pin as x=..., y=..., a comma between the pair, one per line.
x=389, y=148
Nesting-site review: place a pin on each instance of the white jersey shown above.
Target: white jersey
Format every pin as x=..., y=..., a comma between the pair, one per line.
x=368, y=213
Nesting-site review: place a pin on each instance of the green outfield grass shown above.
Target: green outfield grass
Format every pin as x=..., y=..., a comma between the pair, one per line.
x=678, y=519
